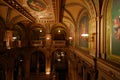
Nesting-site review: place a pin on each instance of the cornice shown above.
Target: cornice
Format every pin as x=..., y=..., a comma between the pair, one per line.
x=14, y=4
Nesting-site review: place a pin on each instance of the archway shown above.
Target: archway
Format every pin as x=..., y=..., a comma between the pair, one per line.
x=37, y=64
x=59, y=64
x=59, y=34
x=19, y=68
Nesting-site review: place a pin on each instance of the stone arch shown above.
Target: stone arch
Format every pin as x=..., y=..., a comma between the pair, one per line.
x=37, y=62
x=57, y=53
x=59, y=63
x=19, y=68
x=38, y=30
x=59, y=33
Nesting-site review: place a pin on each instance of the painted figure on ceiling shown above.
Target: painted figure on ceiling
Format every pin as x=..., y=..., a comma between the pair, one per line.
x=37, y=5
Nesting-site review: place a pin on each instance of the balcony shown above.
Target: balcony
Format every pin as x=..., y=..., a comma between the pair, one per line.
x=58, y=43
x=37, y=43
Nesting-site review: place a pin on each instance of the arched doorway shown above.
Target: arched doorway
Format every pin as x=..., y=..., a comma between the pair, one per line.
x=37, y=64
x=19, y=68
x=60, y=64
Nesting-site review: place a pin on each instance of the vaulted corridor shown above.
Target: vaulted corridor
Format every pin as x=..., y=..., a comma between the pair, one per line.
x=59, y=40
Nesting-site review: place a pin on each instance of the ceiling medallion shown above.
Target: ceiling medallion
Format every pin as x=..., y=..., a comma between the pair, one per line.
x=37, y=5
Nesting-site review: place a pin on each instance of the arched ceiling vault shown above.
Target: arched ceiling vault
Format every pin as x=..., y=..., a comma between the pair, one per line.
x=15, y=11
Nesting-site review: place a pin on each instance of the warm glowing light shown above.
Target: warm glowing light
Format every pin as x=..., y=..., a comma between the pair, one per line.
x=48, y=38
x=59, y=60
x=21, y=60
x=40, y=30
x=14, y=38
x=62, y=54
x=70, y=37
x=84, y=35
x=48, y=72
x=59, y=31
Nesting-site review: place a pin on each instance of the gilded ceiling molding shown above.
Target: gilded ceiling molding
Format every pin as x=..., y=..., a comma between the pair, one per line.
x=74, y=4
x=34, y=26
x=59, y=25
x=104, y=7
x=18, y=7
x=82, y=12
x=73, y=20
x=68, y=19
x=15, y=19
x=91, y=8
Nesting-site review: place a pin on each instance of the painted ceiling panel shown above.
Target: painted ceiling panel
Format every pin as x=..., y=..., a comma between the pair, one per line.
x=67, y=15
x=42, y=10
x=74, y=1
x=74, y=11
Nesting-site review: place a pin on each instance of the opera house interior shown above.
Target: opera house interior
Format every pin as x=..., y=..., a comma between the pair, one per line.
x=59, y=40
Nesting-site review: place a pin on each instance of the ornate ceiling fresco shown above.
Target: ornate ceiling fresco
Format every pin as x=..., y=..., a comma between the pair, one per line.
x=38, y=11
x=41, y=10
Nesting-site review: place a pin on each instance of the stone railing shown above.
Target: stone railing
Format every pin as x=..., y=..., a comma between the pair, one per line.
x=37, y=43
x=58, y=43
x=108, y=70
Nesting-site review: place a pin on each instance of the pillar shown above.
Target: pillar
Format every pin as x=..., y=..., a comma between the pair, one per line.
x=38, y=65
x=8, y=39
x=20, y=73
x=27, y=67
x=48, y=40
x=48, y=67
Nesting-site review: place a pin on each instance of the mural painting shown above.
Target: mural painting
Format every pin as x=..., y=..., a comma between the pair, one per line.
x=116, y=27
x=37, y=5
x=83, y=32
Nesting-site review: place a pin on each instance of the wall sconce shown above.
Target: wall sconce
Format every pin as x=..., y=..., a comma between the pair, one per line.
x=59, y=31
x=48, y=38
x=84, y=35
x=48, y=72
x=70, y=38
x=14, y=38
x=40, y=30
